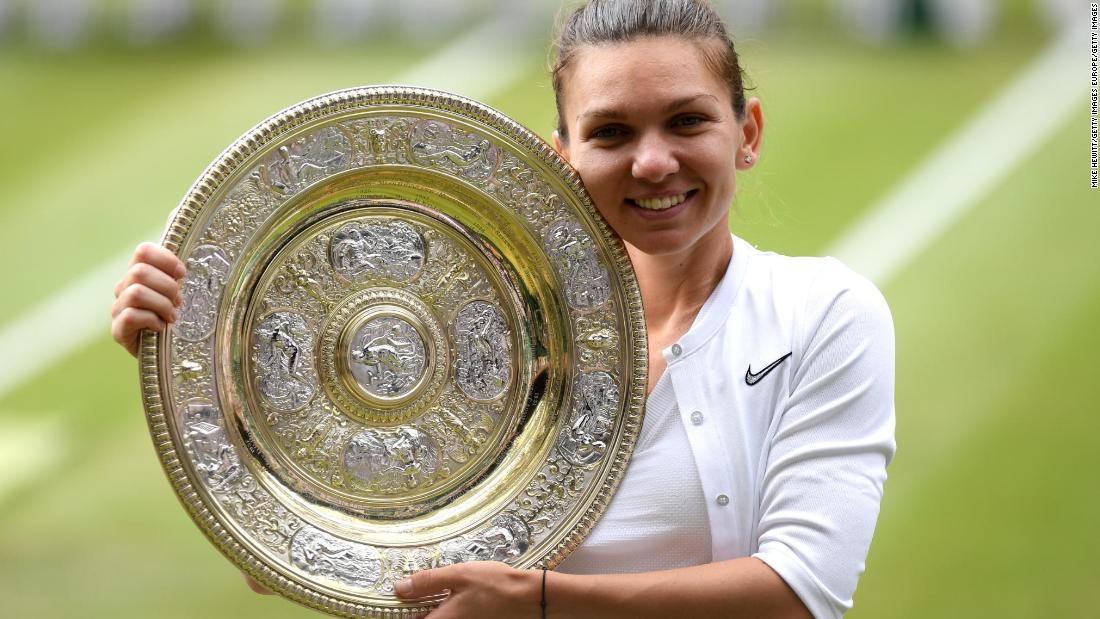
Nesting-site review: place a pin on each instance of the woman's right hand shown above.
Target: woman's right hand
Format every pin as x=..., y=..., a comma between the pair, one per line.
x=148, y=295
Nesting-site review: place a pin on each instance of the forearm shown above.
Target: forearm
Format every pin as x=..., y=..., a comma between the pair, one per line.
x=737, y=588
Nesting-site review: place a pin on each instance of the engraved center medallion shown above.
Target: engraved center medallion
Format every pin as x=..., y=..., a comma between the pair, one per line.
x=387, y=357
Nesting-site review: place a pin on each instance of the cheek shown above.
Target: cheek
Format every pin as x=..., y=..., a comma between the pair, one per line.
x=601, y=175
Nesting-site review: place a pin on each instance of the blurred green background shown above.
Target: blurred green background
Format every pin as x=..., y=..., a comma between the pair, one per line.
x=992, y=502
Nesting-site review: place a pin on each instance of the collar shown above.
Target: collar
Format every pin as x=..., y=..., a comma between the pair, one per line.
x=715, y=311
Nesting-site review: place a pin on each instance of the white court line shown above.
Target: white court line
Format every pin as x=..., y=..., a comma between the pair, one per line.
x=33, y=342
x=937, y=193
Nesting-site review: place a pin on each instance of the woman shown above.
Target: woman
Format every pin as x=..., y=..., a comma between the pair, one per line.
x=755, y=484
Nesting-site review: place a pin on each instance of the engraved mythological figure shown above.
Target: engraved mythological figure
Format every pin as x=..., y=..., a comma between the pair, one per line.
x=387, y=356
x=215, y=459
x=595, y=401
x=380, y=140
x=435, y=143
x=506, y=538
x=205, y=437
x=393, y=250
x=207, y=269
x=587, y=284
x=282, y=354
x=484, y=341
x=318, y=553
x=392, y=460
x=306, y=160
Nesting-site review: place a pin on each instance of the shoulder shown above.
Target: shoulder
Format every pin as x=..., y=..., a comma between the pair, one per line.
x=817, y=289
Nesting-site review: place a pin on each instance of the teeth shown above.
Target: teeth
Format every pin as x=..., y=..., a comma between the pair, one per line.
x=660, y=204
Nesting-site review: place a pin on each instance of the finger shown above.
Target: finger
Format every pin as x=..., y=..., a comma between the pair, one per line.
x=150, y=276
x=140, y=296
x=126, y=327
x=428, y=583
x=255, y=586
x=160, y=257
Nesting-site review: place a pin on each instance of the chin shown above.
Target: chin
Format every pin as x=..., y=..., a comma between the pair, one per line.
x=660, y=244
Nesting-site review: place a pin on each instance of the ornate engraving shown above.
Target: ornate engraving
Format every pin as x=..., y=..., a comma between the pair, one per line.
x=387, y=357
x=335, y=362
x=207, y=269
x=214, y=458
x=597, y=341
x=191, y=372
x=505, y=539
x=306, y=160
x=318, y=553
x=519, y=187
x=438, y=144
x=381, y=370
x=451, y=275
x=247, y=205
x=587, y=284
x=549, y=495
x=461, y=426
x=595, y=400
x=403, y=563
x=315, y=437
x=305, y=283
x=204, y=436
x=282, y=357
x=381, y=140
x=394, y=250
x=392, y=460
x=484, y=367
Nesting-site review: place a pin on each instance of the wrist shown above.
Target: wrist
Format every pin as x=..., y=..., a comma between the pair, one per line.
x=542, y=593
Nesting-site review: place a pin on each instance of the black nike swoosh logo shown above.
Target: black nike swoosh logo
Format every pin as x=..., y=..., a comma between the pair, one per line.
x=751, y=379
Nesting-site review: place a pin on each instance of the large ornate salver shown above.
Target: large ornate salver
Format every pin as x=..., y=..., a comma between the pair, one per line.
x=407, y=340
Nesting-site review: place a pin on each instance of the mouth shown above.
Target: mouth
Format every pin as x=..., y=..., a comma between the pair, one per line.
x=662, y=203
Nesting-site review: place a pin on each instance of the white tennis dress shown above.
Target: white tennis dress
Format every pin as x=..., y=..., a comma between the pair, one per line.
x=768, y=435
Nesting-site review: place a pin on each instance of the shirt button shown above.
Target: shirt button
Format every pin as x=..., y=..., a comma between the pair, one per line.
x=676, y=350
x=722, y=500
x=697, y=418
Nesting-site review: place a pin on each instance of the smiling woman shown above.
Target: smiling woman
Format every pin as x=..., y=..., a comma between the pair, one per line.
x=750, y=493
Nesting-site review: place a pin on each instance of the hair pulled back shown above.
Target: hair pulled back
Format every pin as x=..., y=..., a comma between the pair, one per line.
x=605, y=22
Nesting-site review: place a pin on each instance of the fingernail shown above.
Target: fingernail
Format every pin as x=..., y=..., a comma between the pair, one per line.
x=404, y=587
x=175, y=316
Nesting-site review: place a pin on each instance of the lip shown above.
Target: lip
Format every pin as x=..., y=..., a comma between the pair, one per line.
x=668, y=213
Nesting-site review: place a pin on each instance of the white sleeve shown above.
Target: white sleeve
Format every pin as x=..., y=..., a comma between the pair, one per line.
x=826, y=465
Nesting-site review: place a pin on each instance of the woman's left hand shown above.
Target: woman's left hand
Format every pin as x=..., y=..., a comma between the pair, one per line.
x=477, y=589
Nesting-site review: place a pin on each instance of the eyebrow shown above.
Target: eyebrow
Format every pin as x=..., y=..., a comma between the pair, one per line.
x=610, y=112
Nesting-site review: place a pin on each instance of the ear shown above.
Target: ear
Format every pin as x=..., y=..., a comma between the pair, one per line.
x=561, y=146
x=752, y=130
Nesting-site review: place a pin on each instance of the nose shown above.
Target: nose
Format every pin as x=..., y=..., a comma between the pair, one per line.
x=654, y=159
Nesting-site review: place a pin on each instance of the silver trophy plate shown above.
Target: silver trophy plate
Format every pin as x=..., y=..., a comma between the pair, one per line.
x=407, y=340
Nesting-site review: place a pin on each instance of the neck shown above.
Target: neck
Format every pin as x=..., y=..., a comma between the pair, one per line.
x=674, y=287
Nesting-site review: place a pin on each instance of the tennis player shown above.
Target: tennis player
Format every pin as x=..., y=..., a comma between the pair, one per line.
x=755, y=484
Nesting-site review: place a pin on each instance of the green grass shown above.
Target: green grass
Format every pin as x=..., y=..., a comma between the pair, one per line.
x=991, y=503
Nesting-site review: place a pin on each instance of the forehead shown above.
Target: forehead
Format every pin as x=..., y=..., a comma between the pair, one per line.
x=648, y=70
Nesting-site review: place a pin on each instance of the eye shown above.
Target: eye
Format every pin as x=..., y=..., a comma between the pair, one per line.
x=607, y=133
x=689, y=121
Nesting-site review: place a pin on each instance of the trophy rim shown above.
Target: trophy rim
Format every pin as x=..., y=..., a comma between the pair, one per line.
x=155, y=391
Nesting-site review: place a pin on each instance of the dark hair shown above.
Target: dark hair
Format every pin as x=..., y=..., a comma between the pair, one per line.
x=602, y=22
